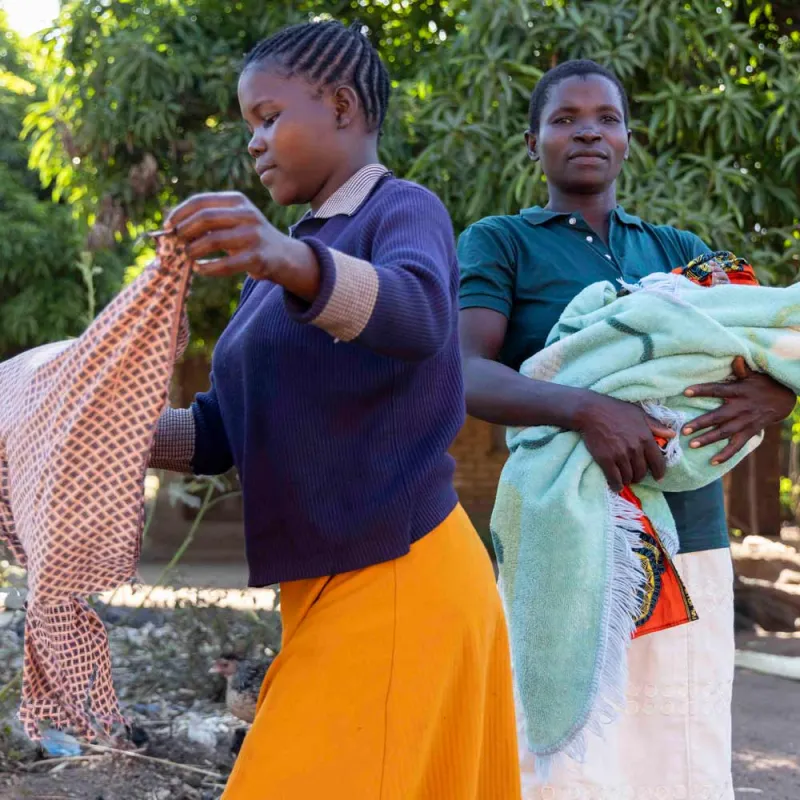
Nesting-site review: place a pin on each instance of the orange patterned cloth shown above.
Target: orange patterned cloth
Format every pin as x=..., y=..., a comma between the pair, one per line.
x=76, y=426
x=721, y=266
x=665, y=601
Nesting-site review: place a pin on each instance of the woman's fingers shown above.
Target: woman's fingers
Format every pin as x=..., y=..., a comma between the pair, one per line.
x=656, y=462
x=611, y=471
x=740, y=368
x=717, y=434
x=208, y=220
x=660, y=430
x=625, y=467
x=639, y=466
x=736, y=443
x=238, y=238
x=228, y=265
x=720, y=390
x=723, y=389
x=713, y=419
x=201, y=202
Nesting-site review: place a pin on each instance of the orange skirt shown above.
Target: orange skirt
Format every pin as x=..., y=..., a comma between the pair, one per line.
x=393, y=683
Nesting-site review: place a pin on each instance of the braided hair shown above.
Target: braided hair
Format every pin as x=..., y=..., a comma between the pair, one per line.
x=580, y=68
x=329, y=54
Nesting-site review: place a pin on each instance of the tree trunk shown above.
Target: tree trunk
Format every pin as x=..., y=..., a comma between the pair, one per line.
x=754, y=504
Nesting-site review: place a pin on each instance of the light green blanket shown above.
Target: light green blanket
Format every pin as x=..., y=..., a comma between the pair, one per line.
x=564, y=542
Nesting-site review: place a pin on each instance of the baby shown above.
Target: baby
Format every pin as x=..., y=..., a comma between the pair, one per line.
x=717, y=268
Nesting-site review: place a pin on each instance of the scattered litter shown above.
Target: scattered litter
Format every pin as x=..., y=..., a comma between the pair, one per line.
x=13, y=599
x=202, y=730
x=146, y=708
x=58, y=744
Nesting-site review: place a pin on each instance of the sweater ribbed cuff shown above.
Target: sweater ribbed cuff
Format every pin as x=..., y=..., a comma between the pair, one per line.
x=347, y=297
x=173, y=448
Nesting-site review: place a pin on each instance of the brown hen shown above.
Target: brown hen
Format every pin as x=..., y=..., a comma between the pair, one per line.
x=244, y=677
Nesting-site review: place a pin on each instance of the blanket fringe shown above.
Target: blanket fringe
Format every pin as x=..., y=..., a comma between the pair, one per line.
x=627, y=578
x=668, y=285
x=673, y=453
x=675, y=420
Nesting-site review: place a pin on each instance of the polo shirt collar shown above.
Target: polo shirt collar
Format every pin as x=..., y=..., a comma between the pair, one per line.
x=537, y=215
x=350, y=196
x=627, y=219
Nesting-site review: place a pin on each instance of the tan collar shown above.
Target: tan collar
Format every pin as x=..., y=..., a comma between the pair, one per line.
x=350, y=196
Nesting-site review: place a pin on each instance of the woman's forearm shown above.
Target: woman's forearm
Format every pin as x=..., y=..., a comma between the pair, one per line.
x=500, y=395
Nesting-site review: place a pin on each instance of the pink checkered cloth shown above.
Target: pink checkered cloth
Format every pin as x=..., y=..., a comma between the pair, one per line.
x=77, y=422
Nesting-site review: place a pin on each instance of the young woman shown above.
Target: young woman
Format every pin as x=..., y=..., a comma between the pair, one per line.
x=336, y=390
x=518, y=274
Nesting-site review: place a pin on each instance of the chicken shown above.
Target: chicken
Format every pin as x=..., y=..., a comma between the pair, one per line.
x=244, y=678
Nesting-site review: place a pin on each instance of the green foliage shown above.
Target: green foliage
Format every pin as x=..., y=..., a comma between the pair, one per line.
x=42, y=289
x=141, y=109
x=790, y=484
x=714, y=102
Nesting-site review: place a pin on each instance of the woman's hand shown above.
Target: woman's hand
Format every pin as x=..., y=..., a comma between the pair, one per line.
x=621, y=438
x=229, y=223
x=750, y=403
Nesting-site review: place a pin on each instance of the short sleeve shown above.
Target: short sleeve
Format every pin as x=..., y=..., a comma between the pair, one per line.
x=488, y=268
x=693, y=246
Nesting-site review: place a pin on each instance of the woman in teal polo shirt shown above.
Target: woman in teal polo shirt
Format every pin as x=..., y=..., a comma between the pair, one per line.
x=518, y=274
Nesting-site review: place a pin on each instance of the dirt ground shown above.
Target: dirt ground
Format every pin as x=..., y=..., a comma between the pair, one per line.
x=766, y=728
x=766, y=762
x=161, y=657
x=766, y=737
x=115, y=778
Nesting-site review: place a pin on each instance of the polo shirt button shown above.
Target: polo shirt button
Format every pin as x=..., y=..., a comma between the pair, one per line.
x=589, y=239
x=572, y=221
x=608, y=256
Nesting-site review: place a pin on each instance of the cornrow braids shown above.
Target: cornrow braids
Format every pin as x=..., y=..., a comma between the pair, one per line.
x=329, y=54
x=581, y=68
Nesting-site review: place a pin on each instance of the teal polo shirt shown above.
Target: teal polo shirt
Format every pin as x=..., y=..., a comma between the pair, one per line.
x=530, y=266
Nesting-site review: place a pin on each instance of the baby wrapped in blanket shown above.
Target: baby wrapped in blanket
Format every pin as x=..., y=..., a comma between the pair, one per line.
x=584, y=569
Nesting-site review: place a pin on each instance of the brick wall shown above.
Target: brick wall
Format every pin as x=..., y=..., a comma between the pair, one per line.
x=480, y=452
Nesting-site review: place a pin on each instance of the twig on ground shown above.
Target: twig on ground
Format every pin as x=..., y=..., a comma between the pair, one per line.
x=52, y=762
x=163, y=761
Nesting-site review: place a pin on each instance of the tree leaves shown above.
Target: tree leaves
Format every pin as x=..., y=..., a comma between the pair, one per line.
x=715, y=101
x=714, y=88
x=41, y=287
